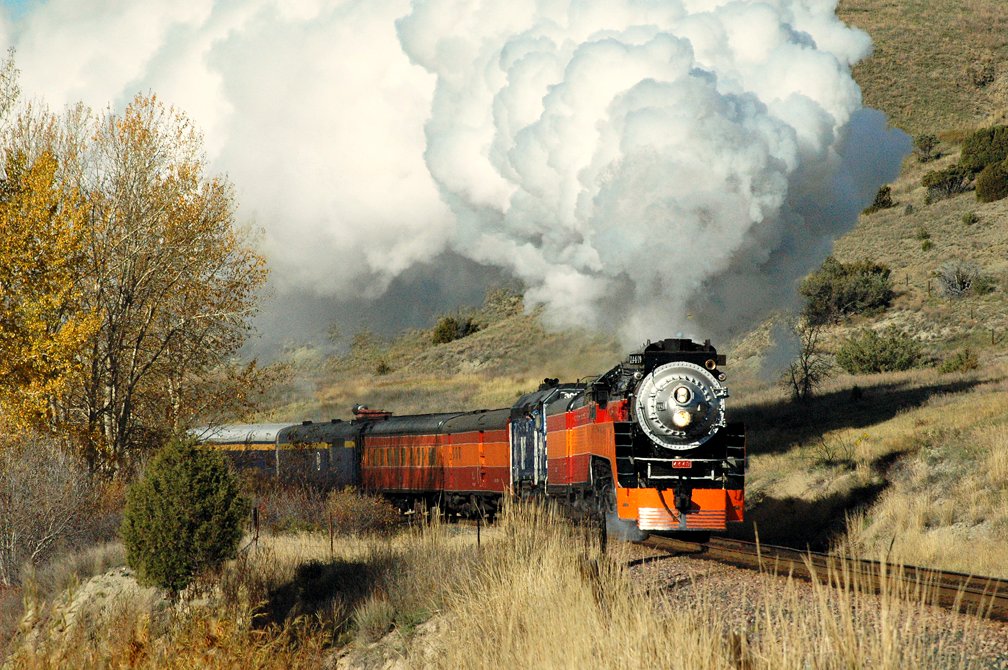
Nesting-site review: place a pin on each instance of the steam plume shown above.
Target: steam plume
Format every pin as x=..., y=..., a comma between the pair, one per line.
x=656, y=167
x=645, y=166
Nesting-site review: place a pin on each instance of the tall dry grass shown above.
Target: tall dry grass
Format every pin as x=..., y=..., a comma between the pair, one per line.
x=537, y=593
x=949, y=506
x=545, y=597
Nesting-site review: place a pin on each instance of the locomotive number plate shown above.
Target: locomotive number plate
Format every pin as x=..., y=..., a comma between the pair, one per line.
x=680, y=464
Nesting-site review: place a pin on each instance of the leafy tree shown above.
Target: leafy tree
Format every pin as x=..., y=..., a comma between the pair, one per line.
x=983, y=147
x=169, y=271
x=869, y=351
x=44, y=321
x=837, y=290
x=183, y=516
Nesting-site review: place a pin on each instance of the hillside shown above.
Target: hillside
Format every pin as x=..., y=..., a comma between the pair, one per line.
x=938, y=65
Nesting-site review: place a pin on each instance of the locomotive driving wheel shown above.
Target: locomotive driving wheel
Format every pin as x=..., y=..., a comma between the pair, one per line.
x=604, y=495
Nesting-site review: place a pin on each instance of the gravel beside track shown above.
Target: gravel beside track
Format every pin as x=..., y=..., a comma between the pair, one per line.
x=743, y=597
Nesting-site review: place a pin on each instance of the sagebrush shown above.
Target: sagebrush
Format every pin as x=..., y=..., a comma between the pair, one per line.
x=869, y=352
x=837, y=290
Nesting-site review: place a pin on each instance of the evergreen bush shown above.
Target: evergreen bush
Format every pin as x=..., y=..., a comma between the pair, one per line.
x=883, y=200
x=182, y=517
x=867, y=352
x=992, y=182
x=984, y=147
x=838, y=289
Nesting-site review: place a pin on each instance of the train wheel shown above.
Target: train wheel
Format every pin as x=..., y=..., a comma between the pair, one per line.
x=604, y=495
x=603, y=492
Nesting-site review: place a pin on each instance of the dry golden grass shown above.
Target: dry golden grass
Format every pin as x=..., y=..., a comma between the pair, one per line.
x=538, y=593
x=921, y=72
x=914, y=468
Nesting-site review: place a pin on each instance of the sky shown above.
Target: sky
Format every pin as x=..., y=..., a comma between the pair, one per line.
x=644, y=167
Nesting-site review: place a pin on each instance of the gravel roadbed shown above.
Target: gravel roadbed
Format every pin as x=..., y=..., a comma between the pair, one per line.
x=743, y=597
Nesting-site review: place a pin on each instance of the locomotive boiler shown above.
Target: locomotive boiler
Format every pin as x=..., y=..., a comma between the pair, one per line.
x=647, y=443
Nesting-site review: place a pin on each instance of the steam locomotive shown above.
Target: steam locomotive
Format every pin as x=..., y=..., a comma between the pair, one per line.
x=646, y=444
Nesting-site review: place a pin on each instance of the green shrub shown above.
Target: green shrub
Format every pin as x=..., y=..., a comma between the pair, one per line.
x=992, y=182
x=924, y=147
x=449, y=329
x=946, y=183
x=970, y=218
x=838, y=289
x=883, y=200
x=984, y=284
x=927, y=245
x=868, y=351
x=182, y=517
x=984, y=147
x=963, y=360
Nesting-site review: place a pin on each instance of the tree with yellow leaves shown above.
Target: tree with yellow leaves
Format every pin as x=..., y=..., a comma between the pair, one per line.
x=173, y=276
x=44, y=323
x=126, y=284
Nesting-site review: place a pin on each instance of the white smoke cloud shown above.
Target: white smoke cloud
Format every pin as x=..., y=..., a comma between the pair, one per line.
x=648, y=167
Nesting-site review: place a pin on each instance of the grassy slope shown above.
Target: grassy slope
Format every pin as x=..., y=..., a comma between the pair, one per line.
x=924, y=53
x=916, y=463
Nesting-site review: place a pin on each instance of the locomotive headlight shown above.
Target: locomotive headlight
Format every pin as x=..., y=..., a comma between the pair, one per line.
x=681, y=418
x=679, y=405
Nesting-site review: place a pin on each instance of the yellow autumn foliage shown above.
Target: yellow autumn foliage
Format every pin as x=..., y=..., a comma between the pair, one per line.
x=43, y=324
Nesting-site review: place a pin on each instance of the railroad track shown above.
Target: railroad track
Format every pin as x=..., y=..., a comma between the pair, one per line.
x=983, y=596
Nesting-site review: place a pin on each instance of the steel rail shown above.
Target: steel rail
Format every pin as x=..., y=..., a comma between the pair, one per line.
x=982, y=596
